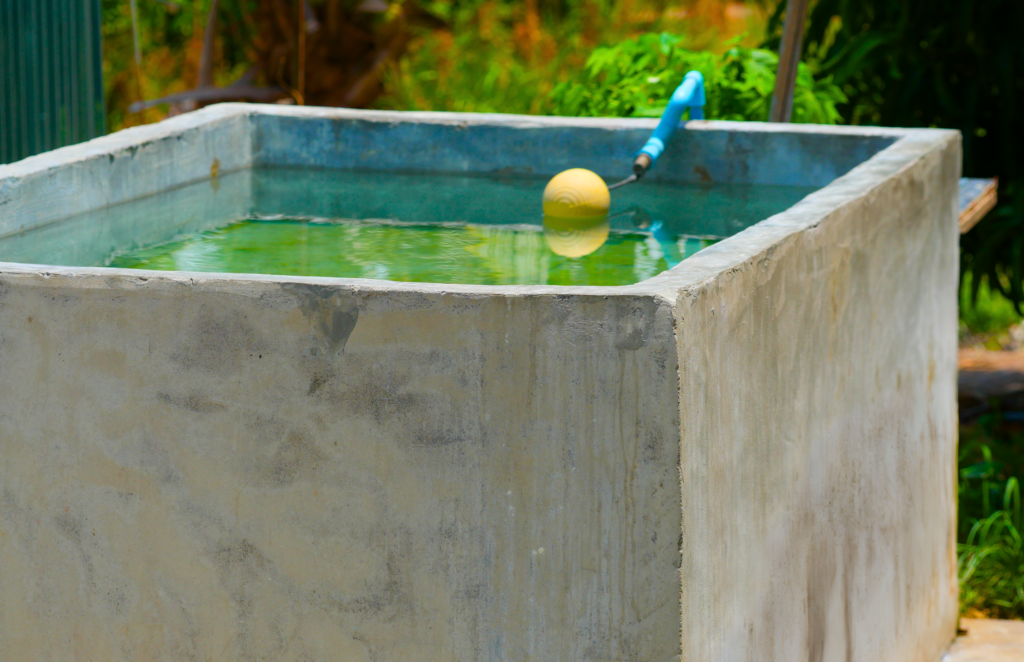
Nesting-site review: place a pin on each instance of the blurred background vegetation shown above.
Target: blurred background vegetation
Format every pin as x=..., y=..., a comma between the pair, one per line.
x=916, y=63
x=945, y=63
x=458, y=55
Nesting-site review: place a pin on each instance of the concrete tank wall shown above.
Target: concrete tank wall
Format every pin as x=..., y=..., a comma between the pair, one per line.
x=819, y=423
x=250, y=469
x=749, y=457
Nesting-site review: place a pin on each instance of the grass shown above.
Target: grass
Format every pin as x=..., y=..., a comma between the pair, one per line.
x=990, y=549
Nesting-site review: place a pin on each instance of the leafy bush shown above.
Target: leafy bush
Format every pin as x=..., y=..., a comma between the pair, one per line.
x=635, y=78
x=955, y=64
x=507, y=55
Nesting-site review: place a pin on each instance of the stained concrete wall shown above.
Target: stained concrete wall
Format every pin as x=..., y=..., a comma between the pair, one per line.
x=749, y=457
x=219, y=469
x=818, y=409
x=123, y=166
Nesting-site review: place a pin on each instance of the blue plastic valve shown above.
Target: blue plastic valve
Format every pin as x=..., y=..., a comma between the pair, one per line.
x=689, y=95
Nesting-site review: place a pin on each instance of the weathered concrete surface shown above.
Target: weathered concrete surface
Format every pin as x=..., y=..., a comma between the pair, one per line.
x=818, y=412
x=240, y=468
x=224, y=469
x=988, y=641
x=123, y=166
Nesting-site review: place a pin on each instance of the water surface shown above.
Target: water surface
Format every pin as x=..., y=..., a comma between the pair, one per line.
x=405, y=227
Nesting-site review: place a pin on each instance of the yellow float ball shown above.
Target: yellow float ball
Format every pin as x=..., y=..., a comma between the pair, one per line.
x=576, y=193
x=575, y=237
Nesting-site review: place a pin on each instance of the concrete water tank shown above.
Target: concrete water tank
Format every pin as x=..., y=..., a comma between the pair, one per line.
x=750, y=456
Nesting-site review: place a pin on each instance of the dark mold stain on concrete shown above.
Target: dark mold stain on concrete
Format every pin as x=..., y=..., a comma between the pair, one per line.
x=631, y=339
x=240, y=567
x=285, y=454
x=155, y=459
x=383, y=402
x=438, y=438
x=296, y=457
x=219, y=340
x=242, y=558
x=194, y=401
x=651, y=444
x=633, y=319
x=113, y=597
x=69, y=527
x=320, y=377
x=333, y=311
x=407, y=398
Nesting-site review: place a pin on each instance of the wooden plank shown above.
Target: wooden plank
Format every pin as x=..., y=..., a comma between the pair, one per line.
x=789, y=61
x=977, y=198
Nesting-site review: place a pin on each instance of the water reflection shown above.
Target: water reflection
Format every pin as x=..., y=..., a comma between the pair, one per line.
x=575, y=237
x=667, y=241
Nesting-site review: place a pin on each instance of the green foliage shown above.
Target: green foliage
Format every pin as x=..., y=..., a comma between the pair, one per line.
x=983, y=310
x=991, y=554
x=636, y=77
x=991, y=567
x=944, y=63
x=507, y=55
x=465, y=72
x=994, y=249
x=496, y=57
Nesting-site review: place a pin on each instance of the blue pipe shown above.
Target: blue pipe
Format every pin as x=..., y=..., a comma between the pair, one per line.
x=689, y=95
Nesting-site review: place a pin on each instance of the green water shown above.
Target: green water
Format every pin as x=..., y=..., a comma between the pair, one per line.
x=405, y=227
x=484, y=255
